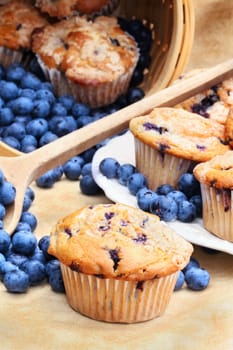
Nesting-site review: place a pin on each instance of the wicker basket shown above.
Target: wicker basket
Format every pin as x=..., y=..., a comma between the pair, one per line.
x=172, y=25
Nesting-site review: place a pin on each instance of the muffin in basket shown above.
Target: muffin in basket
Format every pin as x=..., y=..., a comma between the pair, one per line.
x=216, y=181
x=170, y=141
x=93, y=60
x=119, y=264
x=18, y=20
x=66, y=8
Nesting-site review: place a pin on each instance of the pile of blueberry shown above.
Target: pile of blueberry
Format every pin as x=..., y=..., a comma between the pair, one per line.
x=183, y=203
x=24, y=261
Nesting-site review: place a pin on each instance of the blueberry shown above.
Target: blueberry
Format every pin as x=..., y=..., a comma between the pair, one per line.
x=35, y=270
x=83, y=121
x=164, y=189
x=62, y=125
x=41, y=108
x=79, y=109
x=58, y=109
x=30, y=193
x=51, y=266
x=30, y=219
x=6, y=116
x=28, y=143
x=31, y=81
x=137, y=77
x=135, y=182
x=26, y=203
x=15, y=72
x=16, y=130
x=4, y=241
x=45, y=94
x=192, y=263
x=186, y=211
x=56, y=282
x=17, y=259
x=57, y=172
x=22, y=105
x=144, y=200
x=197, y=201
x=43, y=245
x=2, y=211
x=12, y=142
x=47, y=137
x=67, y=101
x=197, y=278
x=30, y=93
x=177, y=196
x=2, y=258
x=165, y=208
x=109, y=167
x=188, y=184
x=24, y=242
x=86, y=169
x=88, y=185
x=7, y=193
x=2, y=71
x=72, y=169
x=38, y=255
x=8, y=90
x=134, y=94
x=124, y=171
x=2, y=178
x=88, y=154
x=16, y=281
x=5, y=267
x=37, y=127
x=47, y=180
x=23, y=226
x=180, y=281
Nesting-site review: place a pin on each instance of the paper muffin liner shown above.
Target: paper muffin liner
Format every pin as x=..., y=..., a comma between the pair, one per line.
x=94, y=96
x=218, y=211
x=9, y=56
x=119, y=301
x=159, y=167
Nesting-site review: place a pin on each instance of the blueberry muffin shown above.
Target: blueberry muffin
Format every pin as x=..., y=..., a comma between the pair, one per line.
x=119, y=264
x=93, y=60
x=216, y=181
x=18, y=20
x=66, y=8
x=170, y=141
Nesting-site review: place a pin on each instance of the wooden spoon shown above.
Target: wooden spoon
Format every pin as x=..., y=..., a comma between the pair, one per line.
x=22, y=170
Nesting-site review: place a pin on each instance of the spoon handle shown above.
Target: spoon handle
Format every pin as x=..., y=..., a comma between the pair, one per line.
x=60, y=150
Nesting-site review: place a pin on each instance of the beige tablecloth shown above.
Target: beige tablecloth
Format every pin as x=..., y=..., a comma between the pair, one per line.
x=41, y=319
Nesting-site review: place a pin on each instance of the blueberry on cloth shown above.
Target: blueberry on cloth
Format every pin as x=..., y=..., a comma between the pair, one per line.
x=187, y=211
x=35, y=270
x=51, y=266
x=192, y=263
x=72, y=169
x=24, y=242
x=43, y=245
x=56, y=281
x=86, y=169
x=109, y=167
x=7, y=266
x=197, y=278
x=180, y=281
x=88, y=185
x=47, y=180
x=123, y=173
x=16, y=281
x=30, y=219
x=135, y=182
x=165, y=208
x=7, y=193
x=5, y=241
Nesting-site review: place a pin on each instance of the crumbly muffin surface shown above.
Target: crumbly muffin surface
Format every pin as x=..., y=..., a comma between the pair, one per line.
x=180, y=133
x=18, y=20
x=87, y=52
x=218, y=172
x=118, y=241
x=63, y=8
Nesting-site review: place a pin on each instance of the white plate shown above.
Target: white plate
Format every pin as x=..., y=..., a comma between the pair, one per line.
x=122, y=149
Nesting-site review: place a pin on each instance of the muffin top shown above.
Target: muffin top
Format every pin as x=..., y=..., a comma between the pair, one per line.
x=87, y=52
x=18, y=20
x=180, y=133
x=118, y=241
x=64, y=8
x=217, y=172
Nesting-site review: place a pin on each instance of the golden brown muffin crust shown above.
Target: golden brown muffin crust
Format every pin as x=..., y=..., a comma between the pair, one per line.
x=87, y=52
x=118, y=241
x=180, y=133
x=18, y=20
x=218, y=172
